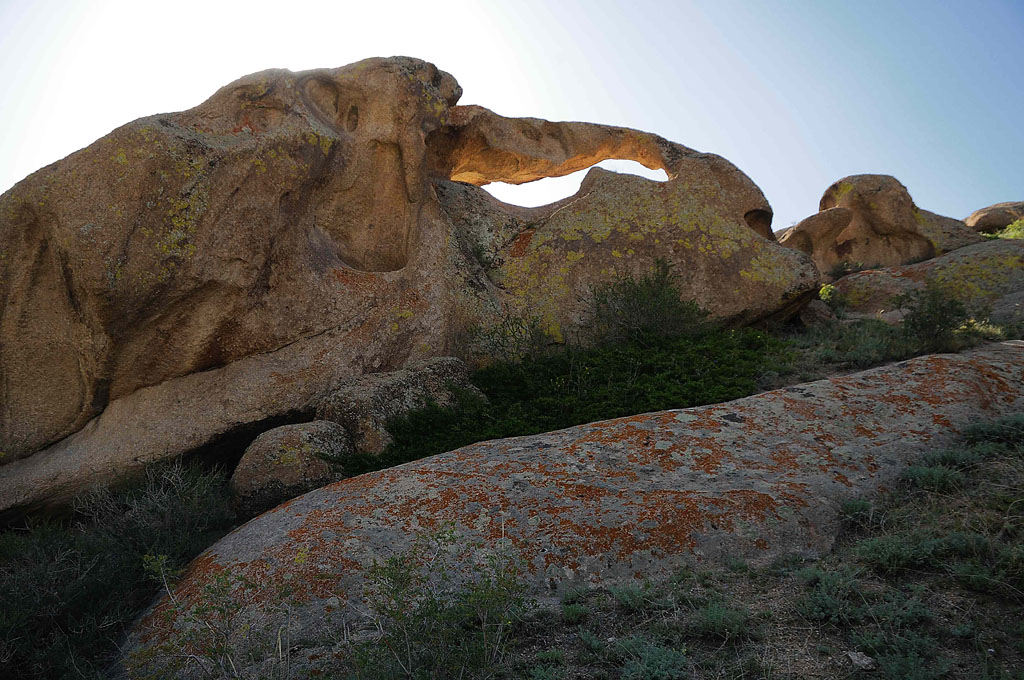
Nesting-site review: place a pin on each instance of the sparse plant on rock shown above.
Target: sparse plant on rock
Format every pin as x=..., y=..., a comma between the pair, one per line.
x=430, y=623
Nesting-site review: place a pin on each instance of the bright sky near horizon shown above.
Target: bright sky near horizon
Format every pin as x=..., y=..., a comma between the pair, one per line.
x=796, y=93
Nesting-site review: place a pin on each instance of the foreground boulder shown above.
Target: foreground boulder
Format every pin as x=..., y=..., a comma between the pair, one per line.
x=204, y=273
x=870, y=220
x=638, y=497
x=987, y=277
x=995, y=217
x=288, y=461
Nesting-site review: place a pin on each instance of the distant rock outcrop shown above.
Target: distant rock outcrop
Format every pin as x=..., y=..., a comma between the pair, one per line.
x=871, y=220
x=987, y=277
x=207, y=271
x=995, y=217
x=636, y=497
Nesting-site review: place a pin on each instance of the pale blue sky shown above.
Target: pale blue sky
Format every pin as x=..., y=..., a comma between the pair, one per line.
x=797, y=94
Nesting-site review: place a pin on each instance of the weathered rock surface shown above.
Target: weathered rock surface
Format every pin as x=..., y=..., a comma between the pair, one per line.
x=871, y=220
x=816, y=313
x=546, y=260
x=365, y=405
x=995, y=217
x=288, y=461
x=756, y=478
x=233, y=404
x=228, y=266
x=987, y=276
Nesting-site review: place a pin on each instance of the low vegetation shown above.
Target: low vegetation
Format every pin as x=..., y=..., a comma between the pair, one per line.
x=934, y=321
x=69, y=589
x=1013, y=230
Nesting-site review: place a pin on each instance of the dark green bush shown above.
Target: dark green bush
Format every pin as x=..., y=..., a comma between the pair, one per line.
x=1009, y=431
x=70, y=590
x=932, y=316
x=575, y=386
x=641, y=310
x=833, y=596
x=938, y=479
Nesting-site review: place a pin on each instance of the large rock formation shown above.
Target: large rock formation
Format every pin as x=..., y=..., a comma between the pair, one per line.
x=995, y=217
x=987, y=277
x=636, y=497
x=871, y=220
x=207, y=271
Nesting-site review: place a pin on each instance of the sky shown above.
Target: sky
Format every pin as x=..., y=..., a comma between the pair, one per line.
x=797, y=93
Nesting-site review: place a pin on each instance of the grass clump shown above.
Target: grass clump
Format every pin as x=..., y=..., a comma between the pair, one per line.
x=722, y=622
x=934, y=478
x=70, y=589
x=430, y=627
x=929, y=587
x=652, y=661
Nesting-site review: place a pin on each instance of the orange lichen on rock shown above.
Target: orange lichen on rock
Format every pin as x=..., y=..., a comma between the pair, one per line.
x=756, y=478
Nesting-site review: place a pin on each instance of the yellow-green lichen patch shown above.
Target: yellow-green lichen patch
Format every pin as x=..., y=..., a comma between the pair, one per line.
x=621, y=219
x=769, y=268
x=980, y=279
x=842, y=189
x=323, y=142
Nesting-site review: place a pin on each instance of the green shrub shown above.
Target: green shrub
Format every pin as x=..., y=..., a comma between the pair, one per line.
x=856, y=510
x=932, y=315
x=953, y=459
x=1012, y=230
x=650, y=661
x=550, y=656
x=511, y=339
x=592, y=643
x=935, y=479
x=720, y=621
x=546, y=673
x=841, y=269
x=834, y=596
x=431, y=627
x=210, y=637
x=631, y=596
x=898, y=552
x=573, y=613
x=641, y=310
x=572, y=386
x=1009, y=431
x=69, y=591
